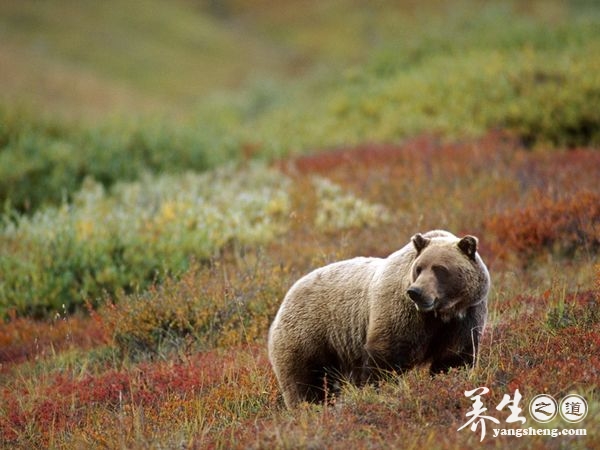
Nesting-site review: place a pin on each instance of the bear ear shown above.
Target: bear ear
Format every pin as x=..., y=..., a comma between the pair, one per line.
x=468, y=245
x=420, y=242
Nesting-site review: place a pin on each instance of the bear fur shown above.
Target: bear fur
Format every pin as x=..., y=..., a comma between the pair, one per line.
x=357, y=319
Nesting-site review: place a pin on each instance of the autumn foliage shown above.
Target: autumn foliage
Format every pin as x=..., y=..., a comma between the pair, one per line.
x=184, y=362
x=150, y=225
x=567, y=226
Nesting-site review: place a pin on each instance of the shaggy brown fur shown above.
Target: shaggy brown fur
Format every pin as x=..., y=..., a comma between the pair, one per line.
x=355, y=319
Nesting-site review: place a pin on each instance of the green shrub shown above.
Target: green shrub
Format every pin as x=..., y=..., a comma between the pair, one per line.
x=337, y=210
x=219, y=305
x=545, y=96
x=46, y=161
x=59, y=257
x=143, y=231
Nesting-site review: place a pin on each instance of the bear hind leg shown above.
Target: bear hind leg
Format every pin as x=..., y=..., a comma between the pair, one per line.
x=311, y=384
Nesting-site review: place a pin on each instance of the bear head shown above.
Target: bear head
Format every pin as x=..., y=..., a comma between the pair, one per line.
x=447, y=276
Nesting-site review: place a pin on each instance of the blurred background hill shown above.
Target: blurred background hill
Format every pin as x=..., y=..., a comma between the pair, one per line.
x=88, y=59
x=85, y=57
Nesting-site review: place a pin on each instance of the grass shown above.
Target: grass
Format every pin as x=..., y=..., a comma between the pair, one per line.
x=184, y=363
x=154, y=220
x=144, y=231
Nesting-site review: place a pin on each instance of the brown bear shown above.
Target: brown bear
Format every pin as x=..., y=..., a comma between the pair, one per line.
x=357, y=319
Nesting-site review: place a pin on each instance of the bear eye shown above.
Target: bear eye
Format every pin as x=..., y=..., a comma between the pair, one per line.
x=418, y=270
x=440, y=271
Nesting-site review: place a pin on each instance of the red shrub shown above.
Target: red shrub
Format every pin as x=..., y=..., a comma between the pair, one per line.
x=22, y=339
x=64, y=399
x=562, y=226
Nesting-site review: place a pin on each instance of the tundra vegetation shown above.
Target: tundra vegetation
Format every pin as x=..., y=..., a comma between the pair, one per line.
x=167, y=173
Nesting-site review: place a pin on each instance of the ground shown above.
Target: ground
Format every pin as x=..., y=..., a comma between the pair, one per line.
x=78, y=380
x=152, y=220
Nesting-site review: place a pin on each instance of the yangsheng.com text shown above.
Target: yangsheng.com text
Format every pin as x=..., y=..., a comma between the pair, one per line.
x=554, y=432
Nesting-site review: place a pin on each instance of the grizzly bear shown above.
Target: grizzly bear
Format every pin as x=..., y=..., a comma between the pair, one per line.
x=358, y=319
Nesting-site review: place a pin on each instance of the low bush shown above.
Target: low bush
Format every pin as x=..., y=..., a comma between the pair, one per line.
x=223, y=305
x=45, y=160
x=566, y=226
x=143, y=232
x=337, y=210
x=542, y=92
x=60, y=257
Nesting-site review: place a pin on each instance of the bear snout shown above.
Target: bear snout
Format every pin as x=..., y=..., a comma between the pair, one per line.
x=417, y=295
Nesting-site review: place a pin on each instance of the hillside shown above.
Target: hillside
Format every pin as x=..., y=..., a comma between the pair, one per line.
x=122, y=56
x=168, y=170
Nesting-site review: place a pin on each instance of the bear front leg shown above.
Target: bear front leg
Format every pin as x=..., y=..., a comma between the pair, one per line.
x=462, y=352
x=457, y=344
x=382, y=358
x=459, y=359
x=370, y=368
